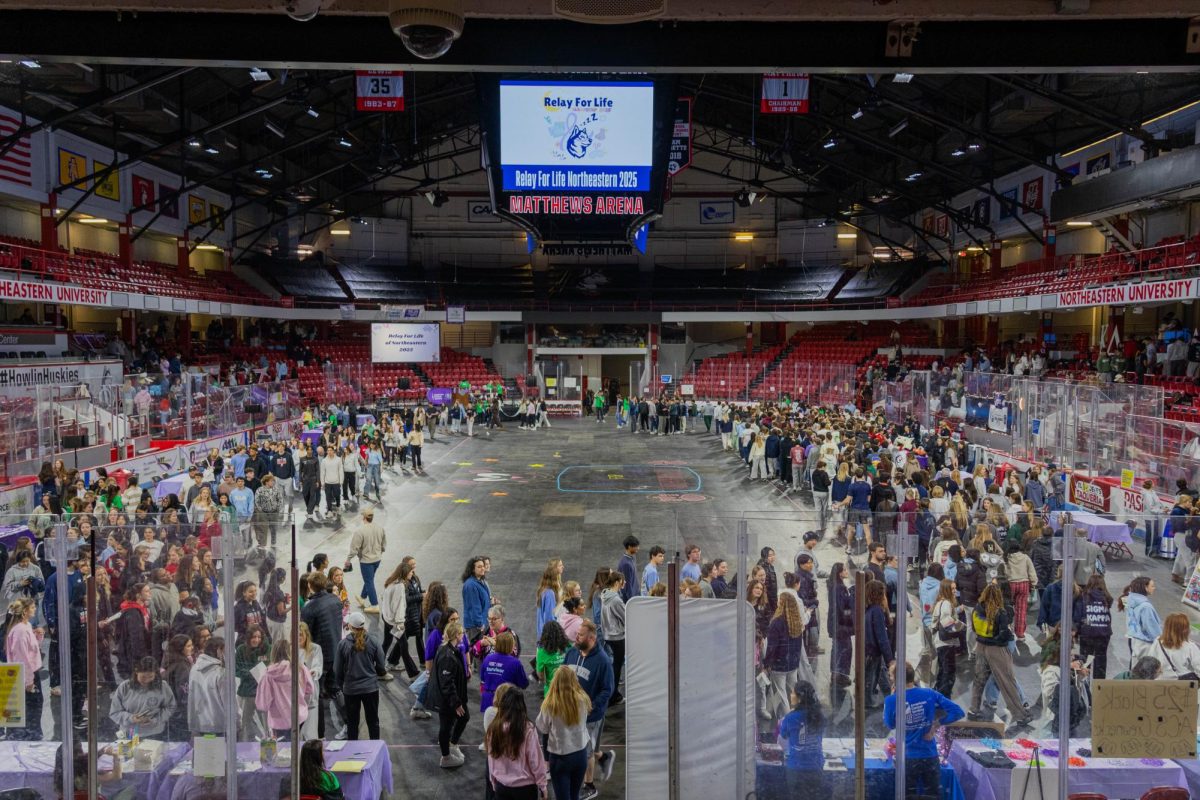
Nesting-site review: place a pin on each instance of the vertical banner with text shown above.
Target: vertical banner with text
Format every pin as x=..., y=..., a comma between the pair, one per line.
x=379, y=90
x=784, y=93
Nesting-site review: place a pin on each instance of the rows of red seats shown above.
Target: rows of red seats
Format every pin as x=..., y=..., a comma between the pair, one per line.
x=1066, y=273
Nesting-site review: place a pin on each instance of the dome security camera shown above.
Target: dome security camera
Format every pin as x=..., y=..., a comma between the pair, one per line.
x=427, y=28
x=303, y=10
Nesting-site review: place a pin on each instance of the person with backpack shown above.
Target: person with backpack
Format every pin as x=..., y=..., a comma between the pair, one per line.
x=1092, y=617
x=991, y=621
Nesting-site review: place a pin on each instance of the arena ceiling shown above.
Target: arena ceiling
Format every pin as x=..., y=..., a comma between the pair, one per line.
x=995, y=87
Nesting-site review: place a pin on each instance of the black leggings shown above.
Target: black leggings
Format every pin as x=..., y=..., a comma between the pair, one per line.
x=947, y=663
x=527, y=792
x=1097, y=647
x=354, y=704
x=349, y=482
x=618, y=661
x=450, y=728
x=416, y=454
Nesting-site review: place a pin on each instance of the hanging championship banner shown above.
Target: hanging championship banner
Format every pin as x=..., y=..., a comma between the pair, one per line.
x=379, y=90
x=784, y=93
x=680, y=157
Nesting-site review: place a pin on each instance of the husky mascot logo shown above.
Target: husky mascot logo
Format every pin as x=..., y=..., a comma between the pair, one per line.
x=578, y=142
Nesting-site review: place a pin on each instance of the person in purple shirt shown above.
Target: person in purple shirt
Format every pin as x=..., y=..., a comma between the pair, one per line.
x=627, y=566
x=500, y=666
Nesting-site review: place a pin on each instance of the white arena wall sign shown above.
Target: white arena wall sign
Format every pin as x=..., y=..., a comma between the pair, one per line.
x=1131, y=293
x=52, y=293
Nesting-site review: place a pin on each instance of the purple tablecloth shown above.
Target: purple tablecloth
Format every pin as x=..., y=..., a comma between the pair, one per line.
x=1099, y=529
x=171, y=485
x=363, y=419
x=262, y=783
x=9, y=534
x=1112, y=777
x=30, y=765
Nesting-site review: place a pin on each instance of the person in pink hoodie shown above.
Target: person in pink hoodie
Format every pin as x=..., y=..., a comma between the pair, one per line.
x=516, y=767
x=274, y=696
x=23, y=645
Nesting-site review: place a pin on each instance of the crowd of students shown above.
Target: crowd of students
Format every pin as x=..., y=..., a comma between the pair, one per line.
x=984, y=553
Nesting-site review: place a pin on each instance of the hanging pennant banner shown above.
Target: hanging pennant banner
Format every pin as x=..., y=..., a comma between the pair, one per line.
x=379, y=90
x=680, y=157
x=784, y=93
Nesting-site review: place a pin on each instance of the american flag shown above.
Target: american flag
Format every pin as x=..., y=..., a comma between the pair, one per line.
x=16, y=166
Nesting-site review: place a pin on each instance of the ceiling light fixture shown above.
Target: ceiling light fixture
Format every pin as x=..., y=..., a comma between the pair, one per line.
x=344, y=142
x=847, y=235
x=312, y=112
x=857, y=114
x=170, y=110
x=209, y=247
x=1079, y=223
x=974, y=147
x=958, y=152
x=93, y=221
x=194, y=142
x=895, y=130
x=914, y=176
x=259, y=74
x=902, y=77
x=274, y=127
x=339, y=231
x=211, y=150
x=743, y=237
x=436, y=197
x=830, y=144
x=30, y=63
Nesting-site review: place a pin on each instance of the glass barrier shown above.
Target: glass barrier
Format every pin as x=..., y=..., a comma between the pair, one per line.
x=209, y=598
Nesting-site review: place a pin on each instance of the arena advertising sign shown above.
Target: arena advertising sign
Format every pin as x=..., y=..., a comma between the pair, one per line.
x=30, y=291
x=1131, y=293
x=585, y=136
x=394, y=343
x=1092, y=495
x=28, y=379
x=580, y=161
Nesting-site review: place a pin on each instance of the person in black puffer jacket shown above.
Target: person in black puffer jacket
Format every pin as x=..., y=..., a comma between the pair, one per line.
x=323, y=615
x=971, y=579
x=1042, y=555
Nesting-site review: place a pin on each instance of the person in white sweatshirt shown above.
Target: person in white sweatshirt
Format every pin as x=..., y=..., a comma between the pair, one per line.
x=1175, y=650
x=332, y=474
x=352, y=464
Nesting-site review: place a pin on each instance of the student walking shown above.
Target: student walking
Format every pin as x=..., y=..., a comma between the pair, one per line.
x=563, y=719
x=448, y=694
x=612, y=617
x=991, y=621
x=357, y=667
x=416, y=440
x=516, y=766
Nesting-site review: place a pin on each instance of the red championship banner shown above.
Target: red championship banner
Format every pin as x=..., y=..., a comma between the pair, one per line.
x=379, y=90
x=784, y=93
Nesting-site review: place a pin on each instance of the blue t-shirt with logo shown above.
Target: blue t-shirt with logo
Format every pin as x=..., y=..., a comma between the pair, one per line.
x=800, y=741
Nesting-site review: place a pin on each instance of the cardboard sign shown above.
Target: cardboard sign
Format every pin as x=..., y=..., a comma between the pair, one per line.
x=12, y=696
x=1126, y=479
x=1144, y=719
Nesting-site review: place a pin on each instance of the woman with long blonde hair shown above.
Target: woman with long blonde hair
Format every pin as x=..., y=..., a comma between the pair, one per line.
x=960, y=518
x=563, y=719
x=549, y=593
x=784, y=659
x=991, y=622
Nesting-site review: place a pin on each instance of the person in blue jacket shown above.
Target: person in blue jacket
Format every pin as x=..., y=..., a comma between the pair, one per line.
x=924, y=711
x=477, y=598
x=595, y=672
x=801, y=734
x=1143, y=625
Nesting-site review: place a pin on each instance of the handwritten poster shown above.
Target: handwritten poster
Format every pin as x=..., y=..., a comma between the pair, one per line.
x=12, y=696
x=1144, y=719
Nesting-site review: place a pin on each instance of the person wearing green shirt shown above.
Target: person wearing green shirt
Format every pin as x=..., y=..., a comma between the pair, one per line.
x=315, y=780
x=551, y=652
x=599, y=404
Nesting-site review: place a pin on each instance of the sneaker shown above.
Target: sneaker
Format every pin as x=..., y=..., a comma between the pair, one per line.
x=589, y=792
x=419, y=713
x=396, y=667
x=977, y=716
x=607, y=761
x=451, y=761
x=387, y=676
x=457, y=752
x=342, y=733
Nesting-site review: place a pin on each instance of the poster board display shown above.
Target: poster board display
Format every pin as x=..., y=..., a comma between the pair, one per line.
x=1144, y=719
x=12, y=695
x=398, y=342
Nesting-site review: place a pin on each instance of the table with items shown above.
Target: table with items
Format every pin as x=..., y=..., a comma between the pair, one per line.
x=11, y=534
x=362, y=767
x=986, y=769
x=838, y=775
x=1114, y=537
x=30, y=765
